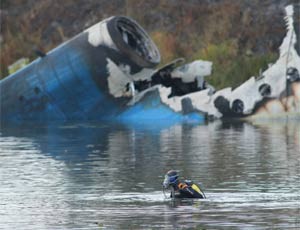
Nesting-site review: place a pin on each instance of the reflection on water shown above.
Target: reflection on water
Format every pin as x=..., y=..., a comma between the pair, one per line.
x=108, y=176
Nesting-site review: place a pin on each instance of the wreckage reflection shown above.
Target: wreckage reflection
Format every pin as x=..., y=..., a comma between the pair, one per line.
x=123, y=147
x=113, y=171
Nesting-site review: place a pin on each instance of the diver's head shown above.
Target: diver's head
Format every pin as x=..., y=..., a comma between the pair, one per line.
x=171, y=178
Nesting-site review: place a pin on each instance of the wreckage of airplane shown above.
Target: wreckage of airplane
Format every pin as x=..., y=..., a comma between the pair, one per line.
x=107, y=72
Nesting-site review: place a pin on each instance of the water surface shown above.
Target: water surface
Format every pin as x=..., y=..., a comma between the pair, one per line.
x=108, y=176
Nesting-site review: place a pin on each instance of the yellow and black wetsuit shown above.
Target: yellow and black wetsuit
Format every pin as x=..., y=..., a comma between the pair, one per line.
x=187, y=189
x=181, y=189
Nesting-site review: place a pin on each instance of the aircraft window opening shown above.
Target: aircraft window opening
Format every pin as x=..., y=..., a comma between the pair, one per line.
x=265, y=90
x=292, y=74
x=238, y=106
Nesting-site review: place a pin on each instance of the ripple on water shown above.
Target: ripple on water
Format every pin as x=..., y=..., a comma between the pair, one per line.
x=109, y=177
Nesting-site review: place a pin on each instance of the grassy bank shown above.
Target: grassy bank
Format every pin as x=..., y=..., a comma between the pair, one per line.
x=239, y=37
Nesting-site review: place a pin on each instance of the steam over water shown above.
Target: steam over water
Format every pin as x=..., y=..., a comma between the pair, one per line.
x=108, y=176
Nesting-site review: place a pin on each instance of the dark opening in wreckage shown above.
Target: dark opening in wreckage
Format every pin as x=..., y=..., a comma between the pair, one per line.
x=133, y=41
x=108, y=72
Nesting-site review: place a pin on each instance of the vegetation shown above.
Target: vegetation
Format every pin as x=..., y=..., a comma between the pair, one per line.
x=239, y=37
x=231, y=68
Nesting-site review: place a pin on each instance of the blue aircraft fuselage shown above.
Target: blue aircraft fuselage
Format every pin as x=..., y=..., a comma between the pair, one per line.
x=71, y=81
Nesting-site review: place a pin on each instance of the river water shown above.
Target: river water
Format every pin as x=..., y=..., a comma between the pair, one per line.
x=108, y=176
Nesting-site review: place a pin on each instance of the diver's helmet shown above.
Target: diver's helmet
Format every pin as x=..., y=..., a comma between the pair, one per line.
x=171, y=178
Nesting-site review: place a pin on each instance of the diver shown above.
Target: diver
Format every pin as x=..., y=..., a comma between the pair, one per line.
x=181, y=189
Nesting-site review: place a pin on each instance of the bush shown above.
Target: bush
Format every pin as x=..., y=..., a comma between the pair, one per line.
x=230, y=67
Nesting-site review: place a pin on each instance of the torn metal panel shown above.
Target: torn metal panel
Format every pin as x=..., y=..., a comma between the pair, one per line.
x=118, y=81
x=189, y=72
